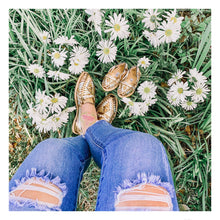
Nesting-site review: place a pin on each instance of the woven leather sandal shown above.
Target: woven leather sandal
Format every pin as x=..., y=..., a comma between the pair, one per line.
x=107, y=108
x=84, y=93
x=129, y=83
x=114, y=76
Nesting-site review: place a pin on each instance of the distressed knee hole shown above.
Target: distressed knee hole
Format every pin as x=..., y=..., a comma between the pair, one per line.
x=145, y=196
x=40, y=190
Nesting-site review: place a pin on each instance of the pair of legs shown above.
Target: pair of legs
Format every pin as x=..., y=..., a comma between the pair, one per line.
x=135, y=172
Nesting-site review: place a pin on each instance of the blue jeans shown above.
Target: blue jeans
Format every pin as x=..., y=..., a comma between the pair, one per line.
x=127, y=159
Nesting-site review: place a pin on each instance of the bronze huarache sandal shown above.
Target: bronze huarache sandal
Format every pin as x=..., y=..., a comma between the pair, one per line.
x=107, y=108
x=114, y=76
x=129, y=83
x=84, y=93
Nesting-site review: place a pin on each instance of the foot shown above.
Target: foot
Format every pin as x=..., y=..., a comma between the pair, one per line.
x=88, y=116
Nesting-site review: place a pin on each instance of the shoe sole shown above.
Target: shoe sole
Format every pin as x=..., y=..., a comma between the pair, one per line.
x=74, y=128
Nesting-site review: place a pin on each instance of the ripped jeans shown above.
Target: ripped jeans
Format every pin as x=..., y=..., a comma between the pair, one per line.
x=135, y=172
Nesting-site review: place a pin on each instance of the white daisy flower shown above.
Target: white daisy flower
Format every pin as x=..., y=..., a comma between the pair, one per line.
x=76, y=65
x=176, y=76
x=95, y=15
x=44, y=124
x=169, y=32
x=57, y=103
x=134, y=107
x=199, y=92
x=58, y=75
x=150, y=101
x=180, y=91
x=64, y=40
x=72, y=41
x=107, y=51
x=57, y=120
x=80, y=52
x=171, y=17
x=118, y=27
x=188, y=105
x=96, y=18
x=173, y=100
x=58, y=57
x=152, y=38
x=147, y=90
x=61, y=40
x=144, y=107
x=151, y=19
x=37, y=70
x=42, y=102
x=144, y=62
x=45, y=37
x=196, y=76
x=33, y=114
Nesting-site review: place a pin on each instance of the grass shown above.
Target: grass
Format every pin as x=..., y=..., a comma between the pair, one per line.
x=186, y=135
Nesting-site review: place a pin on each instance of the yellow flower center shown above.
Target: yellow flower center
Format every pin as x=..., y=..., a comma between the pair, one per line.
x=41, y=101
x=106, y=51
x=36, y=70
x=174, y=19
x=54, y=100
x=146, y=90
x=180, y=90
x=189, y=103
x=143, y=62
x=168, y=32
x=44, y=37
x=199, y=91
x=117, y=27
x=131, y=103
x=153, y=18
x=57, y=55
x=76, y=64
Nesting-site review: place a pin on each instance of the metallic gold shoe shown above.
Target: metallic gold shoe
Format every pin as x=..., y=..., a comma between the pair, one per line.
x=114, y=76
x=84, y=93
x=129, y=83
x=107, y=108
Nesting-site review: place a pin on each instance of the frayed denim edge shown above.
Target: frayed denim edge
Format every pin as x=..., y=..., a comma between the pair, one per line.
x=143, y=178
x=41, y=175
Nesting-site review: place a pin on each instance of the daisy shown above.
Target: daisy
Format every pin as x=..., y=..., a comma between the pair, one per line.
x=96, y=18
x=58, y=57
x=144, y=107
x=196, y=76
x=61, y=40
x=134, y=107
x=169, y=32
x=180, y=91
x=37, y=70
x=150, y=101
x=45, y=37
x=80, y=52
x=171, y=17
x=57, y=102
x=144, y=62
x=107, y=51
x=33, y=114
x=58, y=75
x=152, y=38
x=151, y=19
x=57, y=120
x=173, y=100
x=118, y=27
x=42, y=102
x=199, y=92
x=76, y=65
x=189, y=105
x=147, y=90
x=72, y=41
x=44, y=124
x=64, y=40
x=176, y=77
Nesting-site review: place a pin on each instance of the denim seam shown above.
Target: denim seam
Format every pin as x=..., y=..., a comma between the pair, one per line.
x=104, y=156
